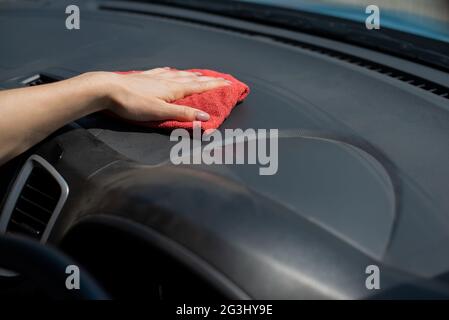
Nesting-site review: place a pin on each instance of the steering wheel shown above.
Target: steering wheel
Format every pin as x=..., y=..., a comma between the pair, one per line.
x=47, y=268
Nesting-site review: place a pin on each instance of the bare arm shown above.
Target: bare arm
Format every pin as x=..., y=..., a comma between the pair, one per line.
x=29, y=115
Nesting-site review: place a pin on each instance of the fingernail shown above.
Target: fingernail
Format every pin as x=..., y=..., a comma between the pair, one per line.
x=202, y=116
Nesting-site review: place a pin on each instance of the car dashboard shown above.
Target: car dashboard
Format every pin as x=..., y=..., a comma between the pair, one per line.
x=361, y=179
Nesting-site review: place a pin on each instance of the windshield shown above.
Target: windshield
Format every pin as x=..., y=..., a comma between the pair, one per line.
x=417, y=30
x=427, y=18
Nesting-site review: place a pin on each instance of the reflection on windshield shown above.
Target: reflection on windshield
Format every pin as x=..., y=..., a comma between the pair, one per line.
x=428, y=18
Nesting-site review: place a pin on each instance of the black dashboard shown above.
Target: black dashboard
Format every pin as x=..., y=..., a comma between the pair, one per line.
x=362, y=175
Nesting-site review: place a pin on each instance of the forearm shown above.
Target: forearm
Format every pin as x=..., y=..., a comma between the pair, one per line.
x=29, y=115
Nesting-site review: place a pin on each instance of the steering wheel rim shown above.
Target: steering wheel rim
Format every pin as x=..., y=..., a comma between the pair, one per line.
x=47, y=268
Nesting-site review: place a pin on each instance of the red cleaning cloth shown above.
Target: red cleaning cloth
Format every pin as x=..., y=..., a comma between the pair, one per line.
x=218, y=103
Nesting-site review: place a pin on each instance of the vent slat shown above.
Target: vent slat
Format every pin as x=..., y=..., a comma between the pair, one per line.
x=18, y=227
x=39, y=199
x=30, y=216
x=40, y=192
x=26, y=222
x=39, y=214
x=36, y=205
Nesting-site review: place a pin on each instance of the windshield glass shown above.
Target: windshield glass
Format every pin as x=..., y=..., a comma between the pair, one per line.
x=427, y=18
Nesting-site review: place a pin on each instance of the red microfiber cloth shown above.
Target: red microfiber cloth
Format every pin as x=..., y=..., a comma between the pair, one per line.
x=218, y=103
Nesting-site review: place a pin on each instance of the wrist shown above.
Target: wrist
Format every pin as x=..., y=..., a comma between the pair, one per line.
x=100, y=87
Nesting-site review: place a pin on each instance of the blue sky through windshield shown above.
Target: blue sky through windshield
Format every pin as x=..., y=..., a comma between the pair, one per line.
x=428, y=18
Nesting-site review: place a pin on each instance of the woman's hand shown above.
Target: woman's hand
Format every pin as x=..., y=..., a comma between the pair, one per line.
x=146, y=96
x=28, y=115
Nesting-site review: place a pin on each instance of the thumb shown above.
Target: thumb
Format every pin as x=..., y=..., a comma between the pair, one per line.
x=170, y=111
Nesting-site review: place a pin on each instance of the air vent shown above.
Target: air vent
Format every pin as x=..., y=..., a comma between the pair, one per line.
x=35, y=200
x=408, y=78
x=39, y=79
x=405, y=77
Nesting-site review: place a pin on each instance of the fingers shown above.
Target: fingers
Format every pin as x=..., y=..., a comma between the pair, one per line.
x=148, y=94
x=156, y=71
x=169, y=111
x=192, y=78
x=189, y=88
x=172, y=74
x=188, y=78
x=169, y=73
x=188, y=82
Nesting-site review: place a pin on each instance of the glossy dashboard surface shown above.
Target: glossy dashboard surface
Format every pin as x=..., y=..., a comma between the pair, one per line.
x=362, y=173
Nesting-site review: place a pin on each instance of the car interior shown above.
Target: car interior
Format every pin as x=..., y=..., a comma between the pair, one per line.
x=363, y=150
